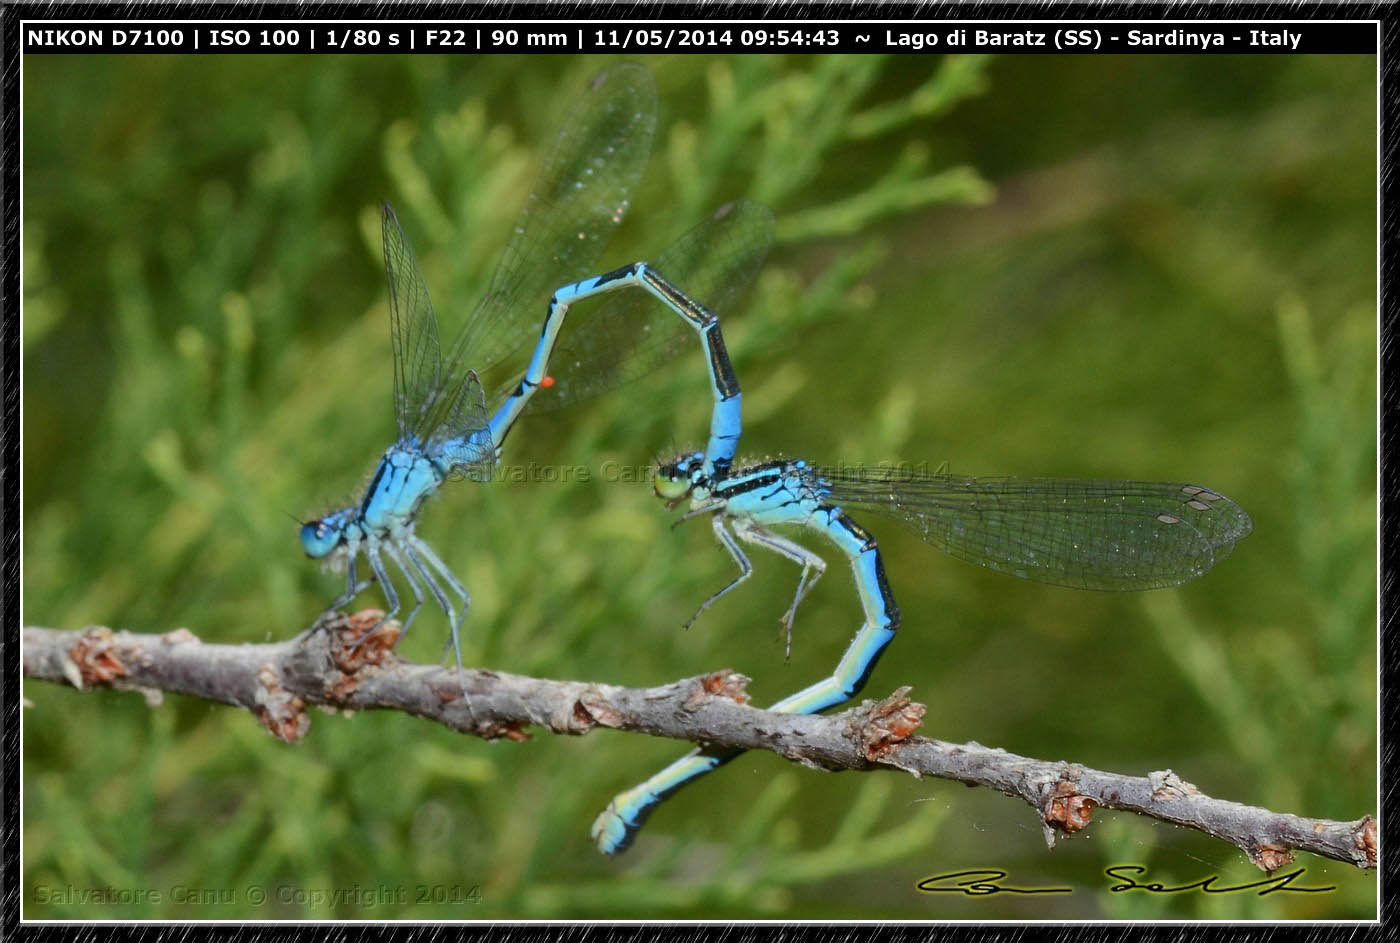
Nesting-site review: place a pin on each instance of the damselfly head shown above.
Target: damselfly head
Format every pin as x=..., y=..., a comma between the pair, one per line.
x=676, y=478
x=319, y=538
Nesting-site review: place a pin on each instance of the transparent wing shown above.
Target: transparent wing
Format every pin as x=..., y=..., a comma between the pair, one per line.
x=584, y=187
x=631, y=334
x=462, y=438
x=1111, y=535
x=412, y=327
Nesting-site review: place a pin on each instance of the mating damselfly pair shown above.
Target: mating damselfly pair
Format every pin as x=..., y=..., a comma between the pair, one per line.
x=1088, y=534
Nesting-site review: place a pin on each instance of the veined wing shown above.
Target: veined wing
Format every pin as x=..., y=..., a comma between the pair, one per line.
x=461, y=410
x=632, y=333
x=462, y=438
x=413, y=329
x=584, y=187
x=1110, y=535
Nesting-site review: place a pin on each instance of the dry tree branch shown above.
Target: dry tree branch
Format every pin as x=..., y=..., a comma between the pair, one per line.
x=326, y=666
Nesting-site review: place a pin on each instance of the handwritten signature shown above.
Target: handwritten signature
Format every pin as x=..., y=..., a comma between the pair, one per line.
x=979, y=882
x=1266, y=886
x=983, y=882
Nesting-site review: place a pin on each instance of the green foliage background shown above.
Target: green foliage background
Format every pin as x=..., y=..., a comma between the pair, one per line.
x=1123, y=267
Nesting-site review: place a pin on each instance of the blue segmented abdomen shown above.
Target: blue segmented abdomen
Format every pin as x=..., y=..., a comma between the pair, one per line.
x=777, y=493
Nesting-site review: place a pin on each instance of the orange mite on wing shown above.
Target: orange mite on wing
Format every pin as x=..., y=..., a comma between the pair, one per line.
x=546, y=383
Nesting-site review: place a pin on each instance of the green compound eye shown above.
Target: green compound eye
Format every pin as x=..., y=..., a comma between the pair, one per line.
x=671, y=483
